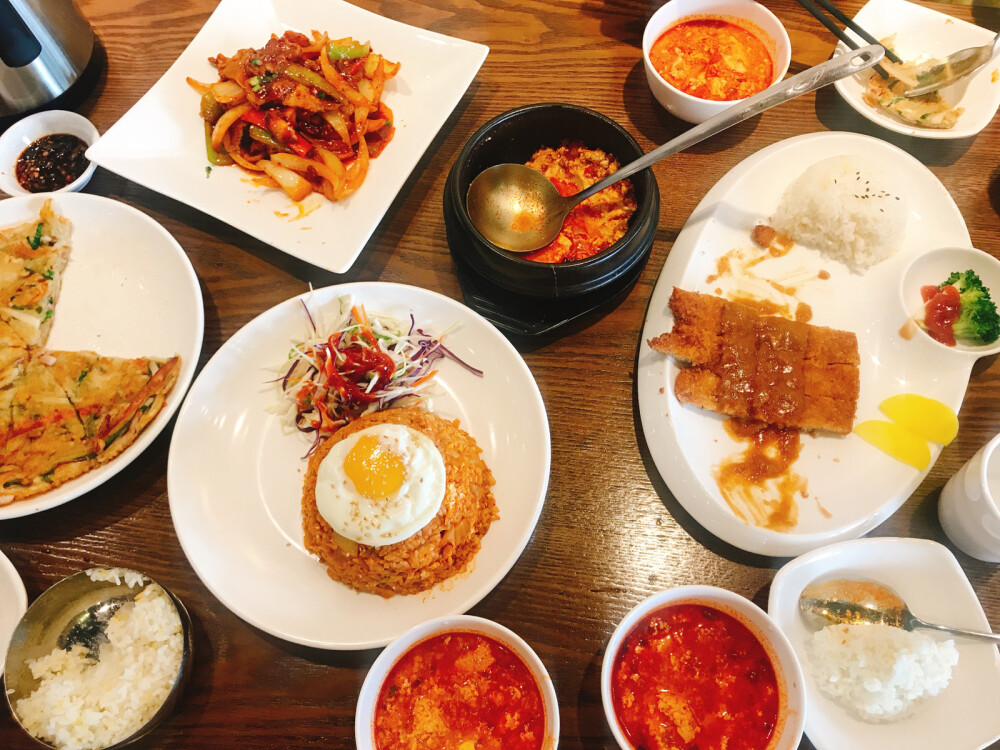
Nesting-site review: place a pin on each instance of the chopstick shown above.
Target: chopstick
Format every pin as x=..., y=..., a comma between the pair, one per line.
x=810, y=6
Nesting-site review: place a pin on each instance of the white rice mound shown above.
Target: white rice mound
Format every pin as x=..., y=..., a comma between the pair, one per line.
x=82, y=704
x=131, y=578
x=878, y=671
x=847, y=208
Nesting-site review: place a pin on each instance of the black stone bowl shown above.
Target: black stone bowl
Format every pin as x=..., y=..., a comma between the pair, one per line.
x=527, y=298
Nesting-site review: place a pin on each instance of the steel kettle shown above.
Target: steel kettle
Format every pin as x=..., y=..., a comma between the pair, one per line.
x=45, y=46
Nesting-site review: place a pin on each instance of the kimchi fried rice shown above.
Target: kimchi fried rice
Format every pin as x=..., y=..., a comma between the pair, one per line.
x=438, y=551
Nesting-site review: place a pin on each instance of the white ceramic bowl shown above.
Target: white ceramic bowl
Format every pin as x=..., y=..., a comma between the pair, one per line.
x=752, y=16
x=969, y=508
x=934, y=267
x=24, y=132
x=791, y=713
x=365, y=713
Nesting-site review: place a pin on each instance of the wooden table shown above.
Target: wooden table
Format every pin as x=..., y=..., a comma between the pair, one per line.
x=610, y=533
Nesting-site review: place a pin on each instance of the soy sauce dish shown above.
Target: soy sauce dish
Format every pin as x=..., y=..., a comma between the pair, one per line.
x=45, y=152
x=472, y=679
x=702, y=665
x=509, y=281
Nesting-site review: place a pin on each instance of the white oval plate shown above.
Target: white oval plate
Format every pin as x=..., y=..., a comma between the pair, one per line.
x=13, y=603
x=930, y=580
x=235, y=476
x=129, y=290
x=857, y=484
x=921, y=31
x=160, y=141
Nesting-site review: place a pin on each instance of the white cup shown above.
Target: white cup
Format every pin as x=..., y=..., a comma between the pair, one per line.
x=968, y=506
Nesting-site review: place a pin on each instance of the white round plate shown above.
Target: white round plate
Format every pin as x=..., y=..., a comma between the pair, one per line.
x=13, y=603
x=855, y=484
x=925, y=33
x=235, y=476
x=128, y=291
x=930, y=580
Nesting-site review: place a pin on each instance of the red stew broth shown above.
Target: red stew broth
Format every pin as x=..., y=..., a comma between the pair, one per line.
x=693, y=676
x=458, y=687
x=712, y=58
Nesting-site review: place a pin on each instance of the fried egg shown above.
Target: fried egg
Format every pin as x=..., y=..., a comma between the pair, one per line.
x=381, y=485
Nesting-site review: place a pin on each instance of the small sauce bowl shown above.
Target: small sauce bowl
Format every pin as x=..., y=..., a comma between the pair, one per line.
x=791, y=686
x=24, y=132
x=934, y=267
x=67, y=612
x=364, y=731
x=749, y=15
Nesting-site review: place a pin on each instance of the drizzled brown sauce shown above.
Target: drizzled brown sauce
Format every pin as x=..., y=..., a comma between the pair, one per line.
x=750, y=480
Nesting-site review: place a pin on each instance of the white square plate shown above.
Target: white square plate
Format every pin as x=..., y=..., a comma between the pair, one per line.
x=160, y=142
x=921, y=32
x=929, y=579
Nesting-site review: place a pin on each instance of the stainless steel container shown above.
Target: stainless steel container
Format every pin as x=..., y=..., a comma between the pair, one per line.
x=44, y=47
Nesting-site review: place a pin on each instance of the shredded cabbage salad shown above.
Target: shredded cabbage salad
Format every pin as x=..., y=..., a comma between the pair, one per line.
x=354, y=365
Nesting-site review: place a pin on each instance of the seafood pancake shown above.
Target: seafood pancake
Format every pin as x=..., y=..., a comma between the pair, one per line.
x=439, y=550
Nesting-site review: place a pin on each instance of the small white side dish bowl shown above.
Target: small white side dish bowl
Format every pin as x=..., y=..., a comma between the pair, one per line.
x=969, y=507
x=24, y=132
x=921, y=32
x=791, y=713
x=748, y=14
x=364, y=717
x=933, y=268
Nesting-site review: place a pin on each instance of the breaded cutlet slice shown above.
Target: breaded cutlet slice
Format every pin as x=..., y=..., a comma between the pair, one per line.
x=831, y=381
x=832, y=347
x=777, y=388
x=829, y=414
x=695, y=335
x=778, y=382
x=769, y=369
x=697, y=386
x=737, y=360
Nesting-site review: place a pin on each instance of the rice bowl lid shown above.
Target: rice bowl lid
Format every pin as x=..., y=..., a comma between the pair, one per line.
x=53, y=613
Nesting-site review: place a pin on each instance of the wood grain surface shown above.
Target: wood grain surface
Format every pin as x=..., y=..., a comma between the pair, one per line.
x=610, y=533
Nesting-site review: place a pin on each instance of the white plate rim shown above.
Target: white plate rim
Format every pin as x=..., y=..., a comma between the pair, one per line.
x=664, y=445
x=67, y=204
x=283, y=234
x=20, y=604
x=178, y=487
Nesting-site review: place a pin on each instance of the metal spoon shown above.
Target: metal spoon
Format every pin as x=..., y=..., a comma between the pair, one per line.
x=518, y=209
x=954, y=67
x=851, y=602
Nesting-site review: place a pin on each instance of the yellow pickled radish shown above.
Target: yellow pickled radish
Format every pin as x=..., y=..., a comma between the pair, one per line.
x=896, y=441
x=925, y=416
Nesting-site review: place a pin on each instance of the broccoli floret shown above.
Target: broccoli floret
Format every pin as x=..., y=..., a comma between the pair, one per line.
x=978, y=320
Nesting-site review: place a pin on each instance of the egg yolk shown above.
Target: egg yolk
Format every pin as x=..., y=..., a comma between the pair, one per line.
x=376, y=472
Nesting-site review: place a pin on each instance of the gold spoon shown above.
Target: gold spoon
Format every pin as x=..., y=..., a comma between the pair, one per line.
x=518, y=209
x=852, y=602
x=954, y=67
